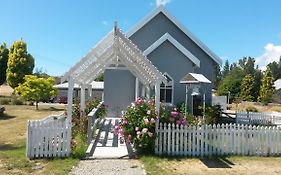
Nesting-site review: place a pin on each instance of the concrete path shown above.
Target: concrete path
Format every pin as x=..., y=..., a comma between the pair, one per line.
x=107, y=143
x=108, y=167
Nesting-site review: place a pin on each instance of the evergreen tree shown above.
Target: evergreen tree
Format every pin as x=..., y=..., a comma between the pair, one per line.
x=257, y=82
x=20, y=63
x=4, y=54
x=216, y=76
x=226, y=69
x=247, y=88
x=267, y=89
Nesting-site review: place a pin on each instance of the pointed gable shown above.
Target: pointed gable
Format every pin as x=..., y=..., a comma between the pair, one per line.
x=156, y=20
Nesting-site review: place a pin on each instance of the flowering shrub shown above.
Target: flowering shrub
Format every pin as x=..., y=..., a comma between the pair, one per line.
x=172, y=116
x=137, y=125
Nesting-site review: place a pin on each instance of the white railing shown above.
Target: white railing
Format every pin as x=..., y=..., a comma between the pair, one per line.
x=258, y=118
x=218, y=139
x=49, y=137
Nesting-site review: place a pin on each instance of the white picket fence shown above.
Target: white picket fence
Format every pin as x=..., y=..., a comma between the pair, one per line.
x=49, y=137
x=258, y=118
x=218, y=139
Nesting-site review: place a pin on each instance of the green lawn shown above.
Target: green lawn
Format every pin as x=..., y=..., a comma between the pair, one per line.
x=12, y=143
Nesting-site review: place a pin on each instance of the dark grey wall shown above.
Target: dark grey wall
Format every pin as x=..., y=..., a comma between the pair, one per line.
x=156, y=28
x=119, y=90
x=167, y=58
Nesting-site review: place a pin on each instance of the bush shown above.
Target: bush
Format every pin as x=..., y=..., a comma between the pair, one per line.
x=173, y=115
x=212, y=114
x=4, y=101
x=251, y=109
x=79, y=146
x=17, y=101
x=138, y=125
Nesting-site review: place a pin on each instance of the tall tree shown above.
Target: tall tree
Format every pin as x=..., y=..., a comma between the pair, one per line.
x=257, y=82
x=267, y=89
x=247, y=64
x=4, y=54
x=226, y=69
x=20, y=63
x=275, y=68
x=37, y=89
x=216, y=76
x=247, y=88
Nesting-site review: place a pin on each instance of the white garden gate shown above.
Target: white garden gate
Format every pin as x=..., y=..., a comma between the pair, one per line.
x=49, y=137
x=218, y=139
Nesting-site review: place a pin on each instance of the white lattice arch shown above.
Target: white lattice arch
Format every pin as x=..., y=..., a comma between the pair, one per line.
x=114, y=51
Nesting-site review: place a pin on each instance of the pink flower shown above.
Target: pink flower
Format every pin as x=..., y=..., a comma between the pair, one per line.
x=129, y=138
x=178, y=122
x=152, y=120
x=146, y=121
x=138, y=133
x=184, y=122
x=144, y=130
x=125, y=122
x=174, y=113
x=148, y=112
x=138, y=101
x=137, y=128
x=150, y=134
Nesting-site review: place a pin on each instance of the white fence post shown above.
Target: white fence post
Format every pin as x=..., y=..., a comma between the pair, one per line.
x=218, y=139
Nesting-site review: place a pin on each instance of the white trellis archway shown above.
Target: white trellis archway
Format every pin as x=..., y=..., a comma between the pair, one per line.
x=114, y=51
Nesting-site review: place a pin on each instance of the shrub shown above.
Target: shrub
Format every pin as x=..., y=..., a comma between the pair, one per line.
x=17, y=101
x=212, y=114
x=172, y=116
x=4, y=101
x=79, y=146
x=251, y=109
x=138, y=125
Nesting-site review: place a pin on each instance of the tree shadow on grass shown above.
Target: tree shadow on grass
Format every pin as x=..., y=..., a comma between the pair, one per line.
x=7, y=147
x=6, y=116
x=217, y=162
x=52, y=109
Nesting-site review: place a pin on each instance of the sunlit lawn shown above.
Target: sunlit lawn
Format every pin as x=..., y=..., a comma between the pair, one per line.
x=12, y=142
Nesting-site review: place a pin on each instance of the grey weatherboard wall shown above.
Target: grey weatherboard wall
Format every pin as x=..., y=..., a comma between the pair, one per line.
x=166, y=58
x=156, y=28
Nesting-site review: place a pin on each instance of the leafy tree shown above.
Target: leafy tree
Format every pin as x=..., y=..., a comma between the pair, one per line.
x=216, y=76
x=20, y=63
x=40, y=73
x=247, y=65
x=231, y=83
x=226, y=69
x=257, y=82
x=247, y=88
x=267, y=89
x=275, y=68
x=4, y=54
x=36, y=89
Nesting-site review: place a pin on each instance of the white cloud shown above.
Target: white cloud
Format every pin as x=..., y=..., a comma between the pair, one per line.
x=104, y=22
x=161, y=2
x=271, y=53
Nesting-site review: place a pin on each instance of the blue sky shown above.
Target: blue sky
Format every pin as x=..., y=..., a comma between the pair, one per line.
x=60, y=32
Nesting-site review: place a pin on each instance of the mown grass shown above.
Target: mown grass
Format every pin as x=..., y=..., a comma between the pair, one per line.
x=13, y=158
x=14, y=161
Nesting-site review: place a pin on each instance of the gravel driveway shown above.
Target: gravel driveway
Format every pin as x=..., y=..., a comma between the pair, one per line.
x=108, y=167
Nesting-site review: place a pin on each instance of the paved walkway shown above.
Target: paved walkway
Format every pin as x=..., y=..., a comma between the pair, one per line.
x=108, y=167
x=107, y=144
x=109, y=157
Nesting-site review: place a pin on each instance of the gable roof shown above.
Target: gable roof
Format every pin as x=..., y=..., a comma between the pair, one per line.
x=192, y=78
x=172, y=40
x=113, y=51
x=161, y=9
